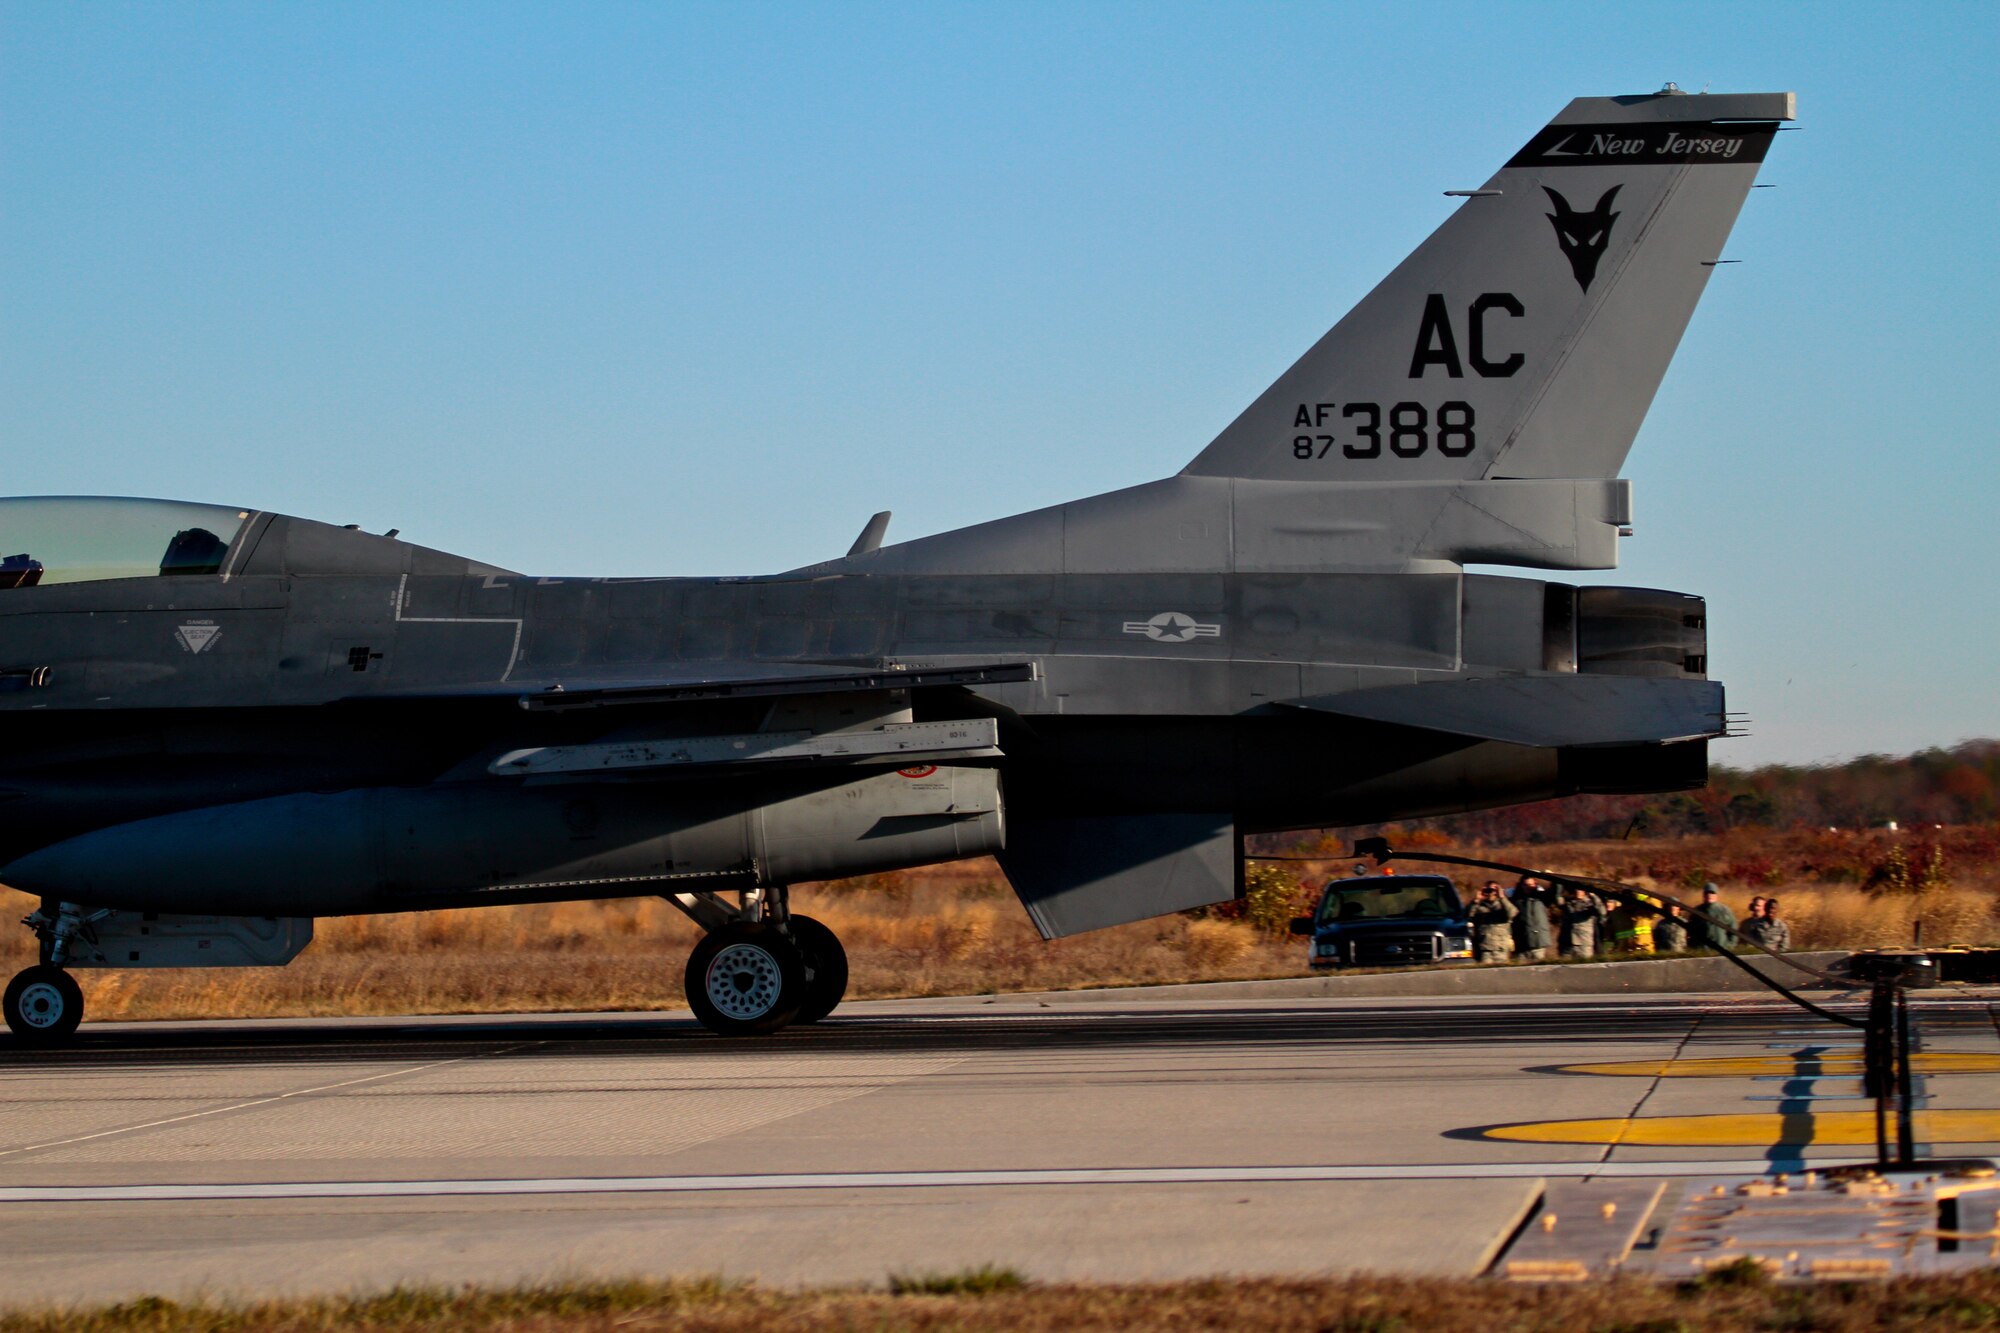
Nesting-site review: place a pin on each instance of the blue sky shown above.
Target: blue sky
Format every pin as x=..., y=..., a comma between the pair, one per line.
x=623, y=289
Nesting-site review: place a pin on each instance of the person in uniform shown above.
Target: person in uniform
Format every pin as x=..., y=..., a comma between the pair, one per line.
x=1779, y=930
x=1751, y=927
x=1628, y=928
x=1492, y=918
x=1582, y=912
x=1532, y=900
x=1765, y=928
x=1670, y=932
x=1713, y=923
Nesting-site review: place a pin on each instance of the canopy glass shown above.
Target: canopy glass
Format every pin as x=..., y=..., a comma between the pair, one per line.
x=76, y=539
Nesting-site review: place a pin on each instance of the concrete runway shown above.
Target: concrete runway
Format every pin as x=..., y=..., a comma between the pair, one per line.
x=1120, y=1140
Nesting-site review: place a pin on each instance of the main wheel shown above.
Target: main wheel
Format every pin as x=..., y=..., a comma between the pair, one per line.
x=827, y=962
x=745, y=980
x=44, y=1004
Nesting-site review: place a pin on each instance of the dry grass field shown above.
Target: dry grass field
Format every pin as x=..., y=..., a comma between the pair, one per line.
x=956, y=929
x=949, y=930
x=995, y=1301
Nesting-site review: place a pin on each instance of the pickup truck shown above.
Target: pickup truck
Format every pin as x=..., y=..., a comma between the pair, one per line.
x=1387, y=921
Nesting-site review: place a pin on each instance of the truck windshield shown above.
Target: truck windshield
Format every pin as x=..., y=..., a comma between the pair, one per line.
x=1388, y=896
x=76, y=539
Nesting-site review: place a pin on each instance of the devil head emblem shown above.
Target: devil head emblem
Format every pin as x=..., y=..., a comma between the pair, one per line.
x=1582, y=236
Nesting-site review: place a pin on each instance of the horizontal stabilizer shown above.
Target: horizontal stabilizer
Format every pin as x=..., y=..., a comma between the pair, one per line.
x=1546, y=711
x=1084, y=874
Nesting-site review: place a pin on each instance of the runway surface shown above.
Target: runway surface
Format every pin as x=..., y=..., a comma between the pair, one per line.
x=1123, y=1140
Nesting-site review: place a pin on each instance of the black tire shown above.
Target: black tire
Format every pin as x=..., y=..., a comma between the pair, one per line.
x=745, y=980
x=44, y=1005
x=827, y=962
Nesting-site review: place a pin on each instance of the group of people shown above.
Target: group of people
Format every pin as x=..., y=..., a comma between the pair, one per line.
x=1534, y=919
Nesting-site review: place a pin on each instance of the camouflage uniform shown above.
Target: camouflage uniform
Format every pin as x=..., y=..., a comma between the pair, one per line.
x=1773, y=933
x=1581, y=915
x=1492, y=929
x=1670, y=934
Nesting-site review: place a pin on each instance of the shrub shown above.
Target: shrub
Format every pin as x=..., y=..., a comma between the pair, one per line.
x=981, y=1281
x=1270, y=898
x=1931, y=874
x=1749, y=1271
x=1756, y=870
x=1892, y=873
x=1217, y=943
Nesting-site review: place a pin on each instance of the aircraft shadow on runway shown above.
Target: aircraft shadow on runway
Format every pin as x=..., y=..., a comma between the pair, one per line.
x=677, y=1034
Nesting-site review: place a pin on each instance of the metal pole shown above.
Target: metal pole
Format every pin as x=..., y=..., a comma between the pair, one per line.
x=1876, y=1078
x=1906, y=1138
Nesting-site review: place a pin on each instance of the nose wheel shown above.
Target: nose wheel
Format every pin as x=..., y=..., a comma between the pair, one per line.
x=43, y=1005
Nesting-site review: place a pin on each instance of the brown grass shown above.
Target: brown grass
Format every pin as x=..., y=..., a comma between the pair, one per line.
x=956, y=929
x=1350, y=1305
x=950, y=930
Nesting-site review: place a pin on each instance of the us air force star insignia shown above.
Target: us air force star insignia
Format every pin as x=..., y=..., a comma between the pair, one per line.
x=197, y=635
x=1173, y=627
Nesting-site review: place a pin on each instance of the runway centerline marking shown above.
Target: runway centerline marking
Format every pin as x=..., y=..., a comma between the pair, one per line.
x=266, y=1101
x=1183, y=1175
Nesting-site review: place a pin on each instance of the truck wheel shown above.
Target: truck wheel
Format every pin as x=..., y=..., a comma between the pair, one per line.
x=828, y=962
x=44, y=1005
x=745, y=980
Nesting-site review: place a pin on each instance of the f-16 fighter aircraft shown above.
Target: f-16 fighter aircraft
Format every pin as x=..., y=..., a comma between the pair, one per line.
x=225, y=723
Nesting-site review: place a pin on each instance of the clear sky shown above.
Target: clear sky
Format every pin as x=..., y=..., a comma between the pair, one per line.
x=695, y=288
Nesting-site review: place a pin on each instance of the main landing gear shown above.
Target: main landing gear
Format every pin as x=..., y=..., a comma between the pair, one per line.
x=43, y=1003
x=760, y=967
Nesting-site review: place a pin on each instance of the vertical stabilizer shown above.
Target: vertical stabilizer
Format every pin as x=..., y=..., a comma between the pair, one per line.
x=1526, y=337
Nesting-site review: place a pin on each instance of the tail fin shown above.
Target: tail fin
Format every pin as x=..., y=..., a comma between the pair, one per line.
x=1527, y=336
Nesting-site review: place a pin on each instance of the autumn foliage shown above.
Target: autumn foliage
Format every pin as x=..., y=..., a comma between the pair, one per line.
x=1923, y=790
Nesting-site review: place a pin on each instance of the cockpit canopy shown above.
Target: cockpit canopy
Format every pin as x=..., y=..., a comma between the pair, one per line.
x=78, y=539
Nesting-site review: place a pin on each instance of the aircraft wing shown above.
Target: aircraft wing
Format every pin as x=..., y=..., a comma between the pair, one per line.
x=1548, y=711
x=706, y=681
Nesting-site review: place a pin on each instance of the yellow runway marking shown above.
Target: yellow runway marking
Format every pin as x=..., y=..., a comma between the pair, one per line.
x=1749, y=1066
x=1751, y=1130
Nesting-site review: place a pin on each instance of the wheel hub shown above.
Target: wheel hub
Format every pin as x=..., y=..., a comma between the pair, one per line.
x=744, y=982
x=41, y=1005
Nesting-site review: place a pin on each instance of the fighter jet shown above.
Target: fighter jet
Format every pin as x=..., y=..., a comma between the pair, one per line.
x=224, y=723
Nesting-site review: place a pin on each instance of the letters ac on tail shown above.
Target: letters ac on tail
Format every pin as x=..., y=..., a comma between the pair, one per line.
x=1483, y=354
x=1108, y=695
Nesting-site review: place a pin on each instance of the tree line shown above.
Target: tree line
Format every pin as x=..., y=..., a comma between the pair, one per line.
x=1955, y=786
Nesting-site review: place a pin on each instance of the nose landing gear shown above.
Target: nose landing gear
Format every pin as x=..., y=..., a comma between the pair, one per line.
x=44, y=1004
